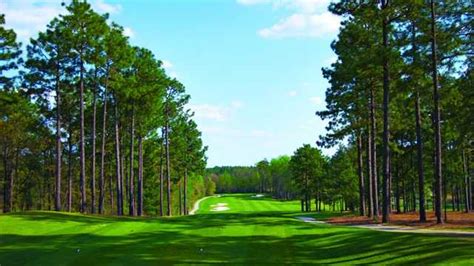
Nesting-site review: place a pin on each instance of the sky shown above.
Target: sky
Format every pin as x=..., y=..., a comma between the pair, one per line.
x=252, y=67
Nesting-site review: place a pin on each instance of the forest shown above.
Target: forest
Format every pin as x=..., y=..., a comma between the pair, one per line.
x=104, y=157
x=91, y=123
x=399, y=109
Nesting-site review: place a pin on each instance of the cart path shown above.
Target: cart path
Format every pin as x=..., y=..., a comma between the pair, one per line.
x=397, y=228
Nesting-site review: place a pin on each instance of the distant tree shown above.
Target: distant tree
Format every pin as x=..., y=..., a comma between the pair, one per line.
x=306, y=166
x=263, y=170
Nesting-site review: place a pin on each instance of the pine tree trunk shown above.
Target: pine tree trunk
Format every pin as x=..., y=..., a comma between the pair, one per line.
x=421, y=174
x=168, y=165
x=437, y=119
x=57, y=198
x=131, y=197
x=180, y=187
x=81, y=141
x=50, y=173
x=397, y=191
x=320, y=202
x=17, y=158
x=386, y=120
x=469, y=183
x=162, y=155
x=404, y=197
x=419, y=137
x=307, y=194
x=390, y=188
x=69, y=173
x=49, y=193
x=370, y=206
x=102, y=151
x=118, y=162
x=11, y=185
x=445, y=199
x=375, y=206
x=111, y=193
x=458, y=198
x=40, y=192
x=5, y=181
x=94, y=117
x=185, y=192
x=454, y=199
x=125, y=171
x=140, y=176
x=361, y=176
x=466, y=182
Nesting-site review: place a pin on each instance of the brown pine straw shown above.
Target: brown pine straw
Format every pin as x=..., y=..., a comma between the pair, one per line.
x=456, y=220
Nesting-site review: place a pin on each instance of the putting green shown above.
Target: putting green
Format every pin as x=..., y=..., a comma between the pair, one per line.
x=252, y=230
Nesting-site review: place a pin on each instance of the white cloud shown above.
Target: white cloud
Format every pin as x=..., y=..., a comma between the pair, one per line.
x=316, y=100
x=209, y=112
x=217, y=113
x=307, y=6
x=234, y=133
x=303, y=25
x=166, y=64
x=28, y=17
x=253, y=2
x=309, y=18
x=211, y=129
x=236, y=104
x=102, y=7
x=127, y=31
x=292, y=93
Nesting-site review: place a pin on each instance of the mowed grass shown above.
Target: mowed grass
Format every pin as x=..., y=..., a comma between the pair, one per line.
x=253, y=230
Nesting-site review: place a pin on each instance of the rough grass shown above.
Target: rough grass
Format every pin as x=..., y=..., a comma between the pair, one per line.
x=254, y=230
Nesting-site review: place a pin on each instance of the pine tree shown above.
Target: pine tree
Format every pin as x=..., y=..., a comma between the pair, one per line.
x=9, y=60
x=84, y=29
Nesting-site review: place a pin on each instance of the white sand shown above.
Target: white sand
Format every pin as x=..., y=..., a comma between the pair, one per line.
x=310, y=220
x=196, y=205
x=219, y=207
x=258, y=196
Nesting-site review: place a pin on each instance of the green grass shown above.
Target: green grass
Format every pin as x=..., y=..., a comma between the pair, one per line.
x=252, y=231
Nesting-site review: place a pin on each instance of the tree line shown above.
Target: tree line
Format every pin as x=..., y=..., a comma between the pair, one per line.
x=91, y=123
x=323, y=182
x=306, y=175
x=400, y=103
x=265, y=177
x=401, y=93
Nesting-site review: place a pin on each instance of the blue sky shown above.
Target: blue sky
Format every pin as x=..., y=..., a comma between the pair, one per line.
x=252, y=67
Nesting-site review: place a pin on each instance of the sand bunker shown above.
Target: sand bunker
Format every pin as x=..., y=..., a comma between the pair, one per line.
x=258, y=196
x=219, y=207
x=310, y=220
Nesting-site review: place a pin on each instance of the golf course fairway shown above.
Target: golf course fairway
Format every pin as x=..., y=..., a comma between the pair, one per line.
x=227, y=229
